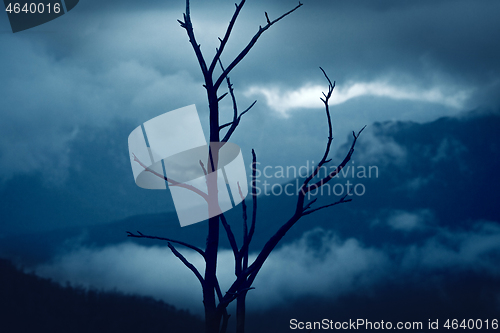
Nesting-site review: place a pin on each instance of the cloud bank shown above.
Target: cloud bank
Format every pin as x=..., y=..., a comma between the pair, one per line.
x=319, y=264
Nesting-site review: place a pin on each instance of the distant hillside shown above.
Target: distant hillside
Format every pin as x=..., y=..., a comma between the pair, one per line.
x=444, y=167
x=32, y=304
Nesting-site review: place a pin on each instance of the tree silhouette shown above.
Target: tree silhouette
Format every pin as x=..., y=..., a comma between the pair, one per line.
x=214, y=300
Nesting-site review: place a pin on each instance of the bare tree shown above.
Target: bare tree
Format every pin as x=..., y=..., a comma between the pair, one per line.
x=214, y=299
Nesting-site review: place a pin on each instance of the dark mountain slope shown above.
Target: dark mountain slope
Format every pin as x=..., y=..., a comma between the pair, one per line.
x=32, y=304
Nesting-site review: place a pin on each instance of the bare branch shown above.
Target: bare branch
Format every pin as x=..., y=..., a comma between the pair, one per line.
x=249, y=46
x=218, y=290
x=329, y=82
x=187, y=263
x=188, y=26
x=254, y=196
x=236, y=123
x=248, y=239
x=230, y=236
x=342, y=200
x=234, y=295
x=310, y=204
x=330, y=130
x=244, y=208
x=223, y=41
x=243, y=255
x=337, y=169
x=240, y=291
x=203, y=168
x=236, y=118
x=248, y=275
x=171, y=181
x=192, y=247
x=225, y=125
x=246, y=110
x=225, y=315
x=220, y=98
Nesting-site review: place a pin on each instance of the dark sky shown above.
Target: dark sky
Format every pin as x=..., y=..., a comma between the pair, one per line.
x=74, y=88
x=392, y=60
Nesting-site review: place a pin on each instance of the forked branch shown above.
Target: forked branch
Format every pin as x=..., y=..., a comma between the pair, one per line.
x=249, y=46
x=335, y=172
x=236, y=118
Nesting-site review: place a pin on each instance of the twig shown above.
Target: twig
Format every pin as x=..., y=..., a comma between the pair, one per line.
x=220, y=98
x=310, y=204
x=192, y=247
x=342, y=200
x=223, y=41
x=225, y=125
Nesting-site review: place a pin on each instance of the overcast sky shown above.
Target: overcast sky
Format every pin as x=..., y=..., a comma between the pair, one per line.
x=74, y=88
x=392, y=60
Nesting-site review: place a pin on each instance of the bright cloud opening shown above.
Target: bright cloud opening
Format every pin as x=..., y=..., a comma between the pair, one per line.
x=307, y=96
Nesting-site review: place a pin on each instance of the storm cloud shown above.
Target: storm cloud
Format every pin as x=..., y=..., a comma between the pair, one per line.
x=126, y=60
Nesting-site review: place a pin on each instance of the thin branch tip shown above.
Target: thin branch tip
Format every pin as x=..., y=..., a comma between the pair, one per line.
x=330, y=85
x=220, y=98
x=169, y=240
x=361, y=130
